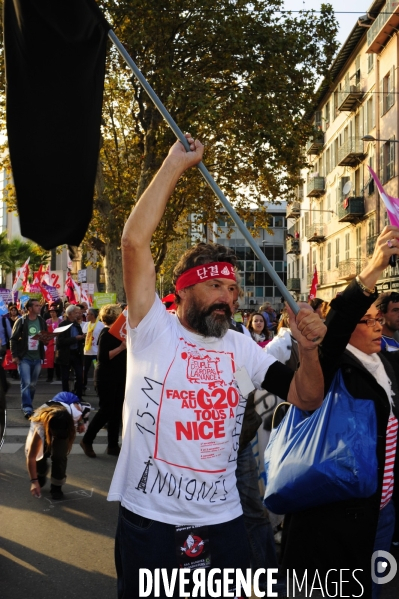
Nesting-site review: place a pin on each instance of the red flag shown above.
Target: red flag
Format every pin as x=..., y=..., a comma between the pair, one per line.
x=69, y=289
x=55, y=65
x=46, y=294
x=315, y=282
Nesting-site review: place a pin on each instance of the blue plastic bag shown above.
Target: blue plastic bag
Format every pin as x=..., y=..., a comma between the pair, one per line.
x=327, y=456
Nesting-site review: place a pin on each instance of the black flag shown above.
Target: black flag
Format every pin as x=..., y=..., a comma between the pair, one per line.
x=55, y=65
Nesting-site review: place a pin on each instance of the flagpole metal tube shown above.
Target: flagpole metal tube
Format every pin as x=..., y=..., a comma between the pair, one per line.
x=206, y=175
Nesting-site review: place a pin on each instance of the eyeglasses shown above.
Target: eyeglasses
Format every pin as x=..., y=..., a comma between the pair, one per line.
x=371, y=322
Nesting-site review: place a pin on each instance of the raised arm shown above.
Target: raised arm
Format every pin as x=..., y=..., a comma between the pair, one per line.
x=138, y=264
x=349, y=307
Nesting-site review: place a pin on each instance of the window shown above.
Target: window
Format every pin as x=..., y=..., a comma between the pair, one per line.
x=329, y=256
x=371, y=227
x=317, y=120
x=387, y=92
x=337, y=252
x=302, y=268
x=314, y=260
x=327, y=114
x=370, y=62
x=387, y=161
x=307, y=264
x=335, y=100
x=335, y=152
x=357, y=71
x=369, y=114
x=278, y=221
x=321, y=259
x=358, y=249
x=328, y=161
x=347, y=246
x=328, y=219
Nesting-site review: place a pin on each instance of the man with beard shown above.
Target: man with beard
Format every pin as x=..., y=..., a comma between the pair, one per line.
x=187, y=379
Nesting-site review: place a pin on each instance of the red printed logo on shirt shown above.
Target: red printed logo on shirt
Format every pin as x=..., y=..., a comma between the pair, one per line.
x=201, y=368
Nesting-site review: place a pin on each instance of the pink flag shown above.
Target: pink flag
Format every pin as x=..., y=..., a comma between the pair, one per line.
x=391, y=204
x=315, y=282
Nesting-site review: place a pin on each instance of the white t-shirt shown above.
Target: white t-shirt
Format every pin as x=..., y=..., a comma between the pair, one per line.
x=182, y=420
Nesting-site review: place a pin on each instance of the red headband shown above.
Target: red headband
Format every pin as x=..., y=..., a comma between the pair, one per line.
x=199, y=274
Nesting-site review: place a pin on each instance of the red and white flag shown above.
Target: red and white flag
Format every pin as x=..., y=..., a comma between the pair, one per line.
x=315, y=282
x=46, y=278
x=46, y=294
x=77, y=290
x=21, y=277
x=85, y=297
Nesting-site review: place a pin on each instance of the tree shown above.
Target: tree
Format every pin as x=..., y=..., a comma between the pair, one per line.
x=240, y=76
x=16, y=252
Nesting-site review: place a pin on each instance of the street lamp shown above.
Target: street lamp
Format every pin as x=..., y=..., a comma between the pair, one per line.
x=371, y=138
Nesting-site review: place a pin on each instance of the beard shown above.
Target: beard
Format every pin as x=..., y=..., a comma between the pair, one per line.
x=205, y=322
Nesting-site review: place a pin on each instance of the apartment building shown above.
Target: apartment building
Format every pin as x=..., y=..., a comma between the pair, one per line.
x=338, y=214
x=256, y=282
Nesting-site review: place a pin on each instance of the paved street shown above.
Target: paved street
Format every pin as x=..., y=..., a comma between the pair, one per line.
x=63, y=549
x=48, y=549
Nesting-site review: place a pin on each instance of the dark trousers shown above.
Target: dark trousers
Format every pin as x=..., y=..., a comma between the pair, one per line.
x=50, y=372
x=143, y=543
x=76, y=362
x=256, y=518
x=87, y=363
x=111, y=395
x=58, y=454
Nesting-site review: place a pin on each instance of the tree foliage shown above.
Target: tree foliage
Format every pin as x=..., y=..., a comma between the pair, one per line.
x=239, y=76
x=14, y=253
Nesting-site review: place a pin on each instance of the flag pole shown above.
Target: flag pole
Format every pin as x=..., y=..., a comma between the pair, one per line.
x=206, y=174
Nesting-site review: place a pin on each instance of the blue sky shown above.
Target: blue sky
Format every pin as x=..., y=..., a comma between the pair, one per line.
x=346, y=21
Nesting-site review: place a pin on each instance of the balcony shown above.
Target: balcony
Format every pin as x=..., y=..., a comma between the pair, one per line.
x=293, y=210
x=349, y=98
x=351, y=210
x=316, y=187
x=294, y=284
x=348, y=269
x=383, y=27
x=370, y=244
x=292, y=246
x=315, y=144
x=315, y=232
x=351, y=153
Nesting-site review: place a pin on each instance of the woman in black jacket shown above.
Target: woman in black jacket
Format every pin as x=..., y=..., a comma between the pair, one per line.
x=338, y=539
x=110, y=379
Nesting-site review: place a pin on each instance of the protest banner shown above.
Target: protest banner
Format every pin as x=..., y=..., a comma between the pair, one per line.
x=100, y=299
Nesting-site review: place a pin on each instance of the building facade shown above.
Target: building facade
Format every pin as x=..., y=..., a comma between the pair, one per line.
x=338, y=214
x=256, y=282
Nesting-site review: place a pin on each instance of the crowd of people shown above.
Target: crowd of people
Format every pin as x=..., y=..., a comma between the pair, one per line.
x=187, y=379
